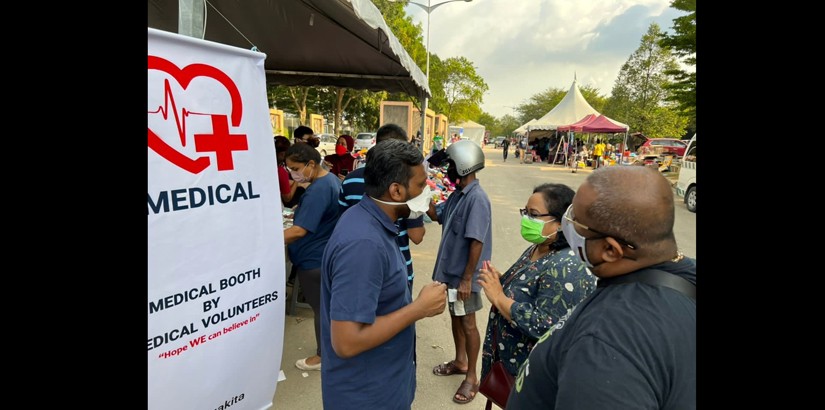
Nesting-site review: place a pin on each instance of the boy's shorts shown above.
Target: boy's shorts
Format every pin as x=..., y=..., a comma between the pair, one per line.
x=461, y=308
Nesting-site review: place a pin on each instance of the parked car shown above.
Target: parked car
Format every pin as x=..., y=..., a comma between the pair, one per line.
x=327, y=145
x=497, y=142
x=686, y=184
x=364, y=140
x=669, y=146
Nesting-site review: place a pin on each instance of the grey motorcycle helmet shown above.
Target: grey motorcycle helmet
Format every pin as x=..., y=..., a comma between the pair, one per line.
x=467, y=156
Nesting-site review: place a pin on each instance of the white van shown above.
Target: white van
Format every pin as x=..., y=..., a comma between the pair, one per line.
x=686, y=184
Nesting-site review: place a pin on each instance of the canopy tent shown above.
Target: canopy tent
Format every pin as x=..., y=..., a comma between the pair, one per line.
x=596, y=124
x=570, y=109
x=470, y=130
x=577, y=126
x=523, y=129
x=341, y=43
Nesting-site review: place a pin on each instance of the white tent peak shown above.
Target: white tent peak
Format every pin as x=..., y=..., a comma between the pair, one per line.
x=570, y=109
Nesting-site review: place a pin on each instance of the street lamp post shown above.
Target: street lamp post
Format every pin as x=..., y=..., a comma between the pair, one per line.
x=429, y=9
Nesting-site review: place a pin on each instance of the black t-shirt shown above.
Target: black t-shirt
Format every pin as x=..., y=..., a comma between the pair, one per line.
x=626, y=346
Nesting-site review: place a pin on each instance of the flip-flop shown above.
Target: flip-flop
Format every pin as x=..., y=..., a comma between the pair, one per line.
x=468, y=390
x=447, y=369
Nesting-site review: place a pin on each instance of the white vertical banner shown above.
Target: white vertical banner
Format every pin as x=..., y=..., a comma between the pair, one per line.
x=216, y=294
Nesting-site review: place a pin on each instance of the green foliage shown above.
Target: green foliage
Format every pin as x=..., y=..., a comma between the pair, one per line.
x=640, y=94
x=498, y=126
x=463, y=89
x=592, y=96
x=683, y=45
x=487, y=120
x=363, y=111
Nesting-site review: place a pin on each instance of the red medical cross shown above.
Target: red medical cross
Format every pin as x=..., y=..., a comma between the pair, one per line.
x=221, y=142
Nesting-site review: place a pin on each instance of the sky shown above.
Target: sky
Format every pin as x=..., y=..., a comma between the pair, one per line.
x=524, y=47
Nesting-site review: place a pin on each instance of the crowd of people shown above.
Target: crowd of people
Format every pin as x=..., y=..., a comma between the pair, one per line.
x=597, y=312
x=556, y=150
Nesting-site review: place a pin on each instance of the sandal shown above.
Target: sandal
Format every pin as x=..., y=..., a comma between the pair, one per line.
x=447, y=369
x=467, y=390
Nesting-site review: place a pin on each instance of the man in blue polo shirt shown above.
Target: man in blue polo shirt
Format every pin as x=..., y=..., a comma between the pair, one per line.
x=367, y=312
x=352, y=190
x=466, y=242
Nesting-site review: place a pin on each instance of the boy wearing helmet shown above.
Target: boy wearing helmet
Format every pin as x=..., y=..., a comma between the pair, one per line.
x=466, y=241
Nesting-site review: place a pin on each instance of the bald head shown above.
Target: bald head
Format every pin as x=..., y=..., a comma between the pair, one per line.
x=634, y=203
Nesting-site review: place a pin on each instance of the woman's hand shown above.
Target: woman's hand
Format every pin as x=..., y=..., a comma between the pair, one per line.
x=488, y=278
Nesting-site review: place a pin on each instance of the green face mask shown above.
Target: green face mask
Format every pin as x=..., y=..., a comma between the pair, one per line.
x=531, y=229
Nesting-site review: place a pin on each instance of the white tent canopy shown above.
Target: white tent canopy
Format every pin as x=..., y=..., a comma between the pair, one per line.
x=523, y=129
x=470, y=130
x=570, y=109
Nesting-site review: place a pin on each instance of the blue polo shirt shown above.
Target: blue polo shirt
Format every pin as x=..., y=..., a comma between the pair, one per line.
x=317, y=212
x=363, y=276
x=352, y=190
x=467, y=215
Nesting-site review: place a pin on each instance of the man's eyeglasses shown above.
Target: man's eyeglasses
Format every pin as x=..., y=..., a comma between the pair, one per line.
x=570, y=217
x=524, y=212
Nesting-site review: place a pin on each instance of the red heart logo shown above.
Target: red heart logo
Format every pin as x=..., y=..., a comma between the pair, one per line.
x=220, y=141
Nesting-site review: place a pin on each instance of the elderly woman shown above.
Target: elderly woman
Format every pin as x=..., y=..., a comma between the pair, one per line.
x=544, y=283
x=341, y=162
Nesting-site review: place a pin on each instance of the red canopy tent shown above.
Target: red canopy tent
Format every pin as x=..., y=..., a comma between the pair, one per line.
x=602, y=124
x=577, y=126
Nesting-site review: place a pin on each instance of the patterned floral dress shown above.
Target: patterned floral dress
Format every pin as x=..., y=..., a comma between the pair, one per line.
x=544, y=291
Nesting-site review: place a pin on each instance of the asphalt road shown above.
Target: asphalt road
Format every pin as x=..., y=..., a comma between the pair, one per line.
x=508, y=184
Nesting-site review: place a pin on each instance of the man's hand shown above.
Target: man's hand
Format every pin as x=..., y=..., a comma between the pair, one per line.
x=432, y=299
x=464, y=289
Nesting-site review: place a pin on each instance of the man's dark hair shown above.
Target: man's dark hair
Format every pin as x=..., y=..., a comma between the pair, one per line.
x=389, y=162
x=303, y=153
x=390, y=131
x=299, y=132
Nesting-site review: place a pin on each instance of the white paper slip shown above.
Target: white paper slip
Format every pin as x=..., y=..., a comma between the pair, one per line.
x=281, y=376
x=458, y=307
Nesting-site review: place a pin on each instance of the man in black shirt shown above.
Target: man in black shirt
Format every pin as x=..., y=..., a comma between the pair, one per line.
x=629, y=345
x=506, y=146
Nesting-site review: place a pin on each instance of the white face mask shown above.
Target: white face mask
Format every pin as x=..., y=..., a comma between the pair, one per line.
x=418, y=205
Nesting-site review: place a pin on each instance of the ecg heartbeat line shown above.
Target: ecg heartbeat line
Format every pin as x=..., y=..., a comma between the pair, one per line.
x=180, y=120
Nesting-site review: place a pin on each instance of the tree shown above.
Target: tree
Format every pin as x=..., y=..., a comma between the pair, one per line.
x=293, y=97
x=363, y=111
x=683, y=45
x=640, y=95
x=343, y=98
x=463, y=89
x=592, y=96
x=498, y=126
x=488, y=121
